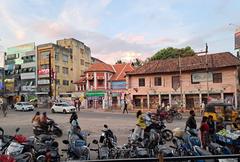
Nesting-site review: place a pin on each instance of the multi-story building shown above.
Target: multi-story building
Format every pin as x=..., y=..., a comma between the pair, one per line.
x=81, y=55
x=104, y=84
x=20, y=72
x=186, y=82
x=55, y=71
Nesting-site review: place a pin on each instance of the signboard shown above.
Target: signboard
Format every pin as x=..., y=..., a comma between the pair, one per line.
x=43, y=81
x=9, y=83
x=201, y=77
x=119, y=85
x=43, y=71
x=237, y=39
x=28, y=88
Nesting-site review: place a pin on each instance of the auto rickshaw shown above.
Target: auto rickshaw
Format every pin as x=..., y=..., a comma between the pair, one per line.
x=221, y=110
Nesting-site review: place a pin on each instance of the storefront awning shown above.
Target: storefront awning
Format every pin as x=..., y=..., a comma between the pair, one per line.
x=95, y=94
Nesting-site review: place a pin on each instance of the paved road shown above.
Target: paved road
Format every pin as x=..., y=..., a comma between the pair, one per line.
x=89, y=120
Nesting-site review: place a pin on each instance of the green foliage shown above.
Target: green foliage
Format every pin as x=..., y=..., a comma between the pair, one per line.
x=171, y=52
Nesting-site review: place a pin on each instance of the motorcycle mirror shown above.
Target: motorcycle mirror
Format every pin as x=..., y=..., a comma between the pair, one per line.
x=17, y=130
x=95, y=141
x=105, y=126
x=66, y=142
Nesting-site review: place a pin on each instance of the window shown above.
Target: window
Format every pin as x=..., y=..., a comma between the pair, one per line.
x=11, y=57
x=58, y=81
x=141, y=82
x=82, y=62
x=175, y=82
x=217, y=77
x=45, y=55
x=157, y=81
x=100, y=83
x=57, y=69
x=56, y=56
x=65, y=58
x=45, y=66
x=65, y=70
x=65, y=82
x=82, y=72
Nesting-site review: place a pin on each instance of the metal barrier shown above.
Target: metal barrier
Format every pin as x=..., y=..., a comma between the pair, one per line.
x=236, y=158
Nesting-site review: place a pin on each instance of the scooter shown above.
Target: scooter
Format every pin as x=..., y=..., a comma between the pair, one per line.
x=54, y=130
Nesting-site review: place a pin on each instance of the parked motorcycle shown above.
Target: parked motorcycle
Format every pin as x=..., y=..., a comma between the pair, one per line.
x=77, y=149
x=14, y=149
x=54, y=130
x=107, y=145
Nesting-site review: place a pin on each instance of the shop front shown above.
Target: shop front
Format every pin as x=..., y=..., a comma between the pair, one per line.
x=95, y=99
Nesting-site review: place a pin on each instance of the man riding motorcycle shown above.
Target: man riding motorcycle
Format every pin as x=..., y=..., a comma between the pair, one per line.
x=45, y=122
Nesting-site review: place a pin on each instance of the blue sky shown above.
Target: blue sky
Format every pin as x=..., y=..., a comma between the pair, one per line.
x=122, y=29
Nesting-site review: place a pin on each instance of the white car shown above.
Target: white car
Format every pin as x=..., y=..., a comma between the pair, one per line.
x=63, y=107
x=23, y=106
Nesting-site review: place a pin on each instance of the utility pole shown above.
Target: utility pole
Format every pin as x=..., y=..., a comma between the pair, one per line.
x=50, y=74
x=180, y=79
x=206, y=52
x=55, y=87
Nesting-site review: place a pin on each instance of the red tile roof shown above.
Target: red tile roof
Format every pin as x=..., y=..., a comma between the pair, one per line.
x=217, y=60
x=120, y=71
x=97, y=67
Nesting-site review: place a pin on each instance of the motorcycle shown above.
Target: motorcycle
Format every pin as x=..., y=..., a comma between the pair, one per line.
x=108, y=148
x=54, y=130
x=16, y=149
x=78, y=149
x=46, y=148
x=165, y=115
x=175, y=114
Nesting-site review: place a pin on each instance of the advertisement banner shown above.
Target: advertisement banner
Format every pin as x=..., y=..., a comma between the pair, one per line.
x=43, y=71
x=9, y=84
x=201, y=77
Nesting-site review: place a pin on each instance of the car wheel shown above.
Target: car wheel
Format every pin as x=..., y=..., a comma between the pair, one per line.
x=53, y=111
x=64, y=111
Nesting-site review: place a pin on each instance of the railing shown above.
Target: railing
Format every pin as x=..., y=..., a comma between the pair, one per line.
x=236, y=158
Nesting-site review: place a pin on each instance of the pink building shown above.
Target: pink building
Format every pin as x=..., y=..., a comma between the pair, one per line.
x=188, y=81
x=104, y=85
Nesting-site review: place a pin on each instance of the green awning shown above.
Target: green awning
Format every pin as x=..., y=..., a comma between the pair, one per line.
x=95, y=94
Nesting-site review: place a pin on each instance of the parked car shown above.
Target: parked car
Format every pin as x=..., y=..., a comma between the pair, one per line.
x=23, y=106
x=63, y=107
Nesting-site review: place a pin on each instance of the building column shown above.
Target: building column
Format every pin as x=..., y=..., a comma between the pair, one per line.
x=95, y=80
x=148, y=101
x=222, y=96
x=184, y=100
x=170, y=99
x=87, y=85
x=200, y=99
x=142, y=103
x=119, y=101
x=105, y=80
x=159, y=99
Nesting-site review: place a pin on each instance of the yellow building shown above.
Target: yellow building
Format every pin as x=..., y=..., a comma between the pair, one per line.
x=81, y=55
x=55, y=62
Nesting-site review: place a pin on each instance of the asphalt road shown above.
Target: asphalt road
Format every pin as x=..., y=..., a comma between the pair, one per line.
x=89, y=120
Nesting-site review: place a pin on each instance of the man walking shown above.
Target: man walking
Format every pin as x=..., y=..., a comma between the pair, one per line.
x=3, y=106
x=125, y=105
x=191, y=122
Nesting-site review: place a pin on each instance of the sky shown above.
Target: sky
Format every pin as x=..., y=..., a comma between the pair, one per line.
x=121, y=29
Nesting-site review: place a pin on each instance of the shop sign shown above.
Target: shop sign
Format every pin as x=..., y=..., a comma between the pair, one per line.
x=43, y=81
x=43, y=71
x=201, y=77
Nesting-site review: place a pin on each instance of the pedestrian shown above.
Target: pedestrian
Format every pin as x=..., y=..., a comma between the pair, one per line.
x=212, y=128
x=79, y=105
x=140, y=126
x=191, y=122
x=204, y=128
x=125, y=104
x=202, y=108
x=36, y=119
x=4, y=107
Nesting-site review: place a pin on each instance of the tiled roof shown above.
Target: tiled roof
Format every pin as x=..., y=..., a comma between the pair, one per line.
x=82, y=80
x=97, y=67
x=120, y=71
x=217, y=60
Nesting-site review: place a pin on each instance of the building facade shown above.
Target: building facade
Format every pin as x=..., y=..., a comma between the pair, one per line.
x=55, y=71
x=81, y=55
x=20, y=72
x=104, y=85
x=185, y=82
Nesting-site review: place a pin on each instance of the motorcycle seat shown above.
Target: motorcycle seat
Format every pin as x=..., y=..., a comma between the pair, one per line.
x=202, y=151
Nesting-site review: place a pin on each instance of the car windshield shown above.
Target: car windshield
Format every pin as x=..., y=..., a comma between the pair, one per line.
x=65, y=105
x=25, y=103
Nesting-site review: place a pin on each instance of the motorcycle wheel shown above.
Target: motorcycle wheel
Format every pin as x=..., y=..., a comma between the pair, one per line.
x=179, y=116
x=169, y=119
x=58, y=132
x=167, y=134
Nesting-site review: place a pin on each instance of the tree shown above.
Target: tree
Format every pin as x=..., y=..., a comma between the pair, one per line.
x=119, y=62
x=137, y=62
x=171, y=52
